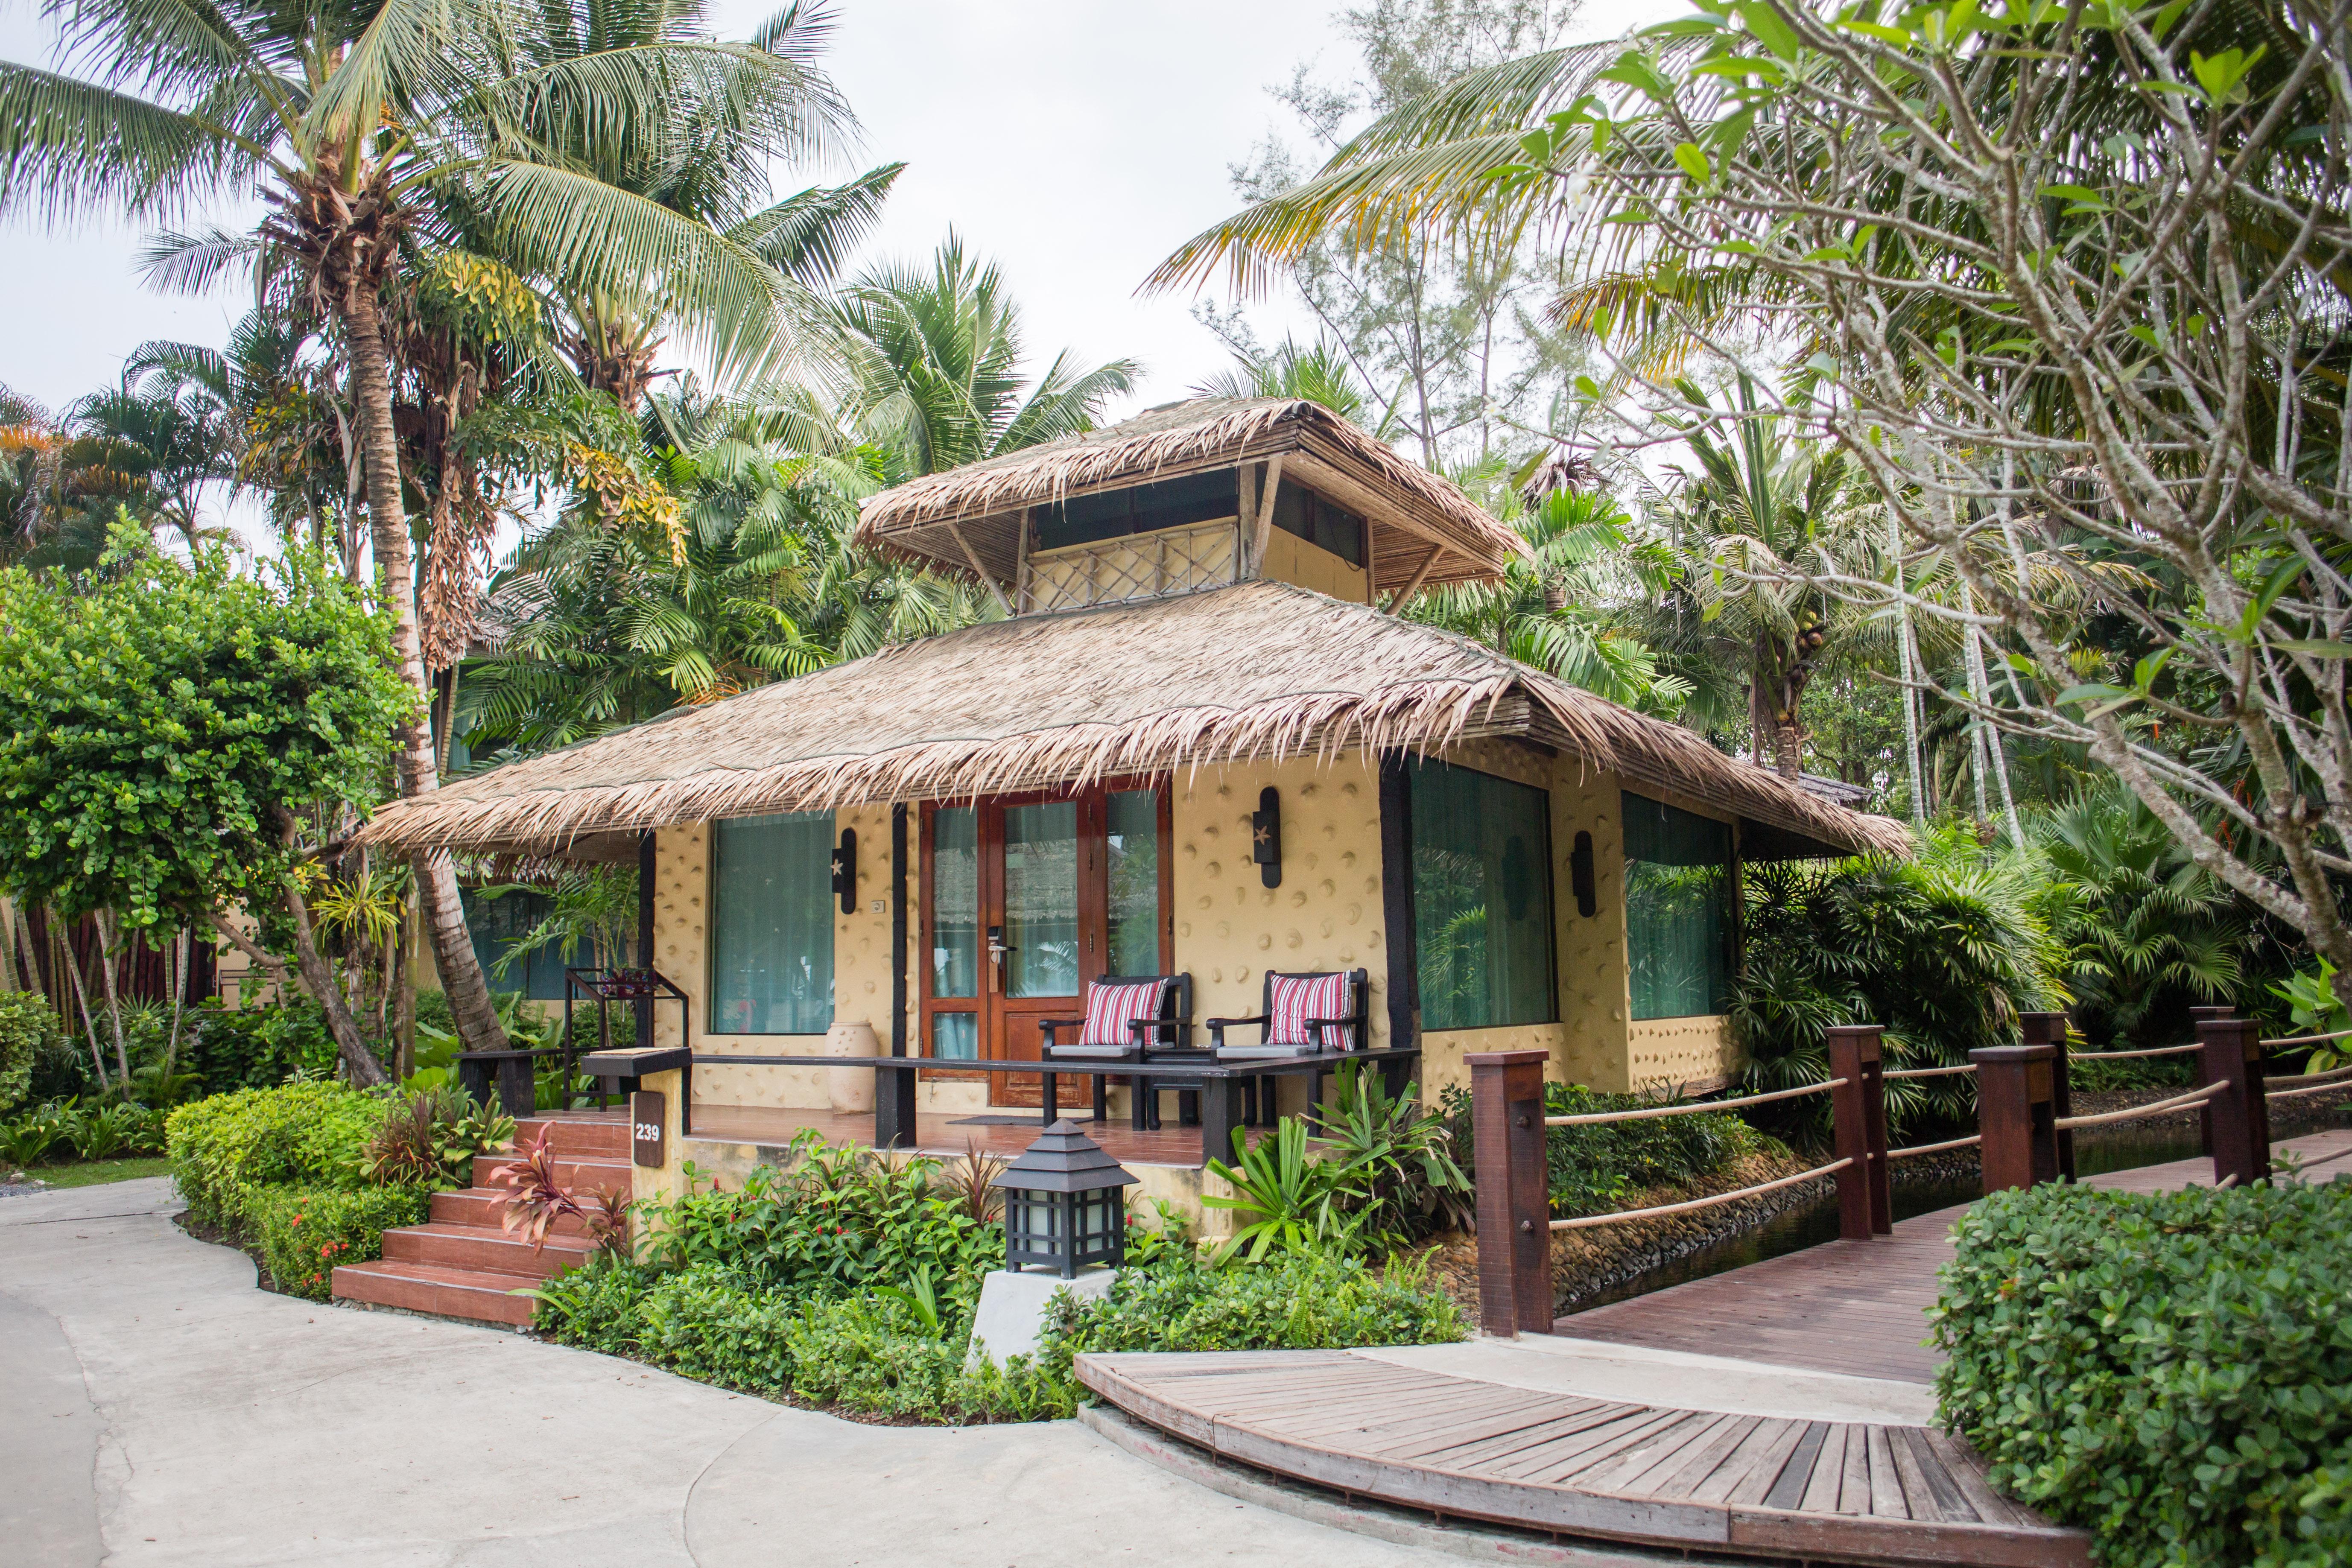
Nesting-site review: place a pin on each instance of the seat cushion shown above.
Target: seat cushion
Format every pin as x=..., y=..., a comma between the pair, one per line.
x=1294, y=1001
x=1093, y=1053
x=1111, y=1009
x=1263, y=1053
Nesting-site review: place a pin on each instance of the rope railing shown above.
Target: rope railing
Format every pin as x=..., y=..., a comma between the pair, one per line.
x=2133, y=1114
x=1593, y=1219
x=1650, y=1113
x=2309, y=1039
x=1930, y=1072
x=2076, y=1056
x=1972, y=1140
x=2310, y=1083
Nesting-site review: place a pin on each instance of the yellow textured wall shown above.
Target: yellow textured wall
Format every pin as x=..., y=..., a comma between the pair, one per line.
x=1290, y=559
x=1231, y=927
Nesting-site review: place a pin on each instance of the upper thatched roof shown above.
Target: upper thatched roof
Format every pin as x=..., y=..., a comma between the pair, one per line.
x=1261, y=671
x=949, y=520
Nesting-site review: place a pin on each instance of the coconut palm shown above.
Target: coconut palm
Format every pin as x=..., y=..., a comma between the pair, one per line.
x=359, y=124
x=1318, y=374
x=937, y=362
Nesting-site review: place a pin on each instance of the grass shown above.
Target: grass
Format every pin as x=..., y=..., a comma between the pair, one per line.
x=98, y=1172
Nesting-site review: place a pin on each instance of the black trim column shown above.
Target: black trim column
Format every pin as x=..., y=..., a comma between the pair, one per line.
x=893, y=1092
x=645, y=859
x=1396, y=902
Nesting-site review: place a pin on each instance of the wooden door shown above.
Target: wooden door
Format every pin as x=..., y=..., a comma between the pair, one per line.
x=1041, y=926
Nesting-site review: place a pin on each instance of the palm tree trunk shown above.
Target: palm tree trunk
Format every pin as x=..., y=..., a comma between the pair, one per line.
x=436, y=874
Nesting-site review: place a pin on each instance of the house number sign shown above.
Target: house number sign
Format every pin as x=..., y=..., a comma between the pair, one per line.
x=649, y=1129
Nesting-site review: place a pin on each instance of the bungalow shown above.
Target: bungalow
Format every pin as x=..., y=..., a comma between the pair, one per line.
x=1201, y=742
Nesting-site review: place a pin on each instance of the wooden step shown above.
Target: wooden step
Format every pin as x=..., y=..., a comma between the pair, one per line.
x=580, y=1176
x=605, y=1137
x=487, y=1208
x=476, y=1295
x=483, y=1249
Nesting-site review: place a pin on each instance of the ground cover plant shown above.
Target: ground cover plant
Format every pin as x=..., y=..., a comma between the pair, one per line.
x=850, y=1280
x=2172, y=1370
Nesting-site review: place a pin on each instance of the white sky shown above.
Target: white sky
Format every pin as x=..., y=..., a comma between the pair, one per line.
x=1074, y=141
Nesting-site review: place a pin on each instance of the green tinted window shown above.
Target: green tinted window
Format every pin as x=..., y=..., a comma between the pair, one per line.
x=771, y=925
x=1482, y=898
x=1678, y=922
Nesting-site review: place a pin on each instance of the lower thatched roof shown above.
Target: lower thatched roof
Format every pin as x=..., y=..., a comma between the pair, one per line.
x=1260, y=670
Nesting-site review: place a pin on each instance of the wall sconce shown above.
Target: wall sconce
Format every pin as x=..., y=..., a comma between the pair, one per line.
x=844, y=871
x=1265, y=836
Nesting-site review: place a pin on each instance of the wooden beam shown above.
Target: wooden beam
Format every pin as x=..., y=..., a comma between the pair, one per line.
x=1263, y=525
x=1414, y=585
x=981, y=571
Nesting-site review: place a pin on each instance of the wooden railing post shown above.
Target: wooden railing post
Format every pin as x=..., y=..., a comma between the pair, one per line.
x=1514, y=1198
x=2241, y=1119
x=2015, y=1116
x=2049, y=1030
x=2197, y=1017
x=1865, y=1200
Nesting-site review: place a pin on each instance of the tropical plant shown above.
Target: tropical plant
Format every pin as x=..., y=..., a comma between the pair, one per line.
x=27, y=1139
x=537, y=1200
x=1320, y=374
x=430, y=1139
x=2317, y=1010
x=1283, y=1199
x=28, y=1027
x=1403, y=1181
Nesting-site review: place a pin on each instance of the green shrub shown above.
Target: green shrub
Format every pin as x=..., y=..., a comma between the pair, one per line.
x=709, y=1324
x=1309, y=1302
x=304, y=1233
x=230, y=1146
x=2172, y=1370
x=256, y=1046
x=597, y=1306
x=879, y=1355
x=28, y=1028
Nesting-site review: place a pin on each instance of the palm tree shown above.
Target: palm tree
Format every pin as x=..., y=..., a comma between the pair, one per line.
x=937, y=362
x=359, y=125
x=1318, y=374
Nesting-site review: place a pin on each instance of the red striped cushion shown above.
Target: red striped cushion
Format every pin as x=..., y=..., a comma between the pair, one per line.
x=1296, y=1001
x=1111, y=1008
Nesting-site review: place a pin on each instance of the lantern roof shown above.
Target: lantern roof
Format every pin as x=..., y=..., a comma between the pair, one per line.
x=1063, y=1160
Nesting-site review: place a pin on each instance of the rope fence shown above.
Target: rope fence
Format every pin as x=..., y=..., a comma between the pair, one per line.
x=1972, y=1139
x=2311, y=1083
x=1595, y=1118
x=1593, y=1219
x=2075, y=1055
x=2309, y=1039
x=1928, y=1072
x=2157, y=1108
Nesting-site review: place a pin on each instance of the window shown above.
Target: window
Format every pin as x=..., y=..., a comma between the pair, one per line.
x=1482, y=898
x=1132, y=834
x=1299, y=510
x=1678, y=888
x=771, y=925
x=1138, y=509
x=497, y=925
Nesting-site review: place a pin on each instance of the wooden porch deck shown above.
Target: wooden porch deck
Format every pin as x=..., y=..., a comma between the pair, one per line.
x=1003, y=1133
x=1774, y=1482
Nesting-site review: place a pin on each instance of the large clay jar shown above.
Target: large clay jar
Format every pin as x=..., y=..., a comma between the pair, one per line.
x=852, y=1089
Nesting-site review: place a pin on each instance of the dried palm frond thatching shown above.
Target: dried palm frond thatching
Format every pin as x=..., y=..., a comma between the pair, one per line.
x=967, y=520
x=1258, y=671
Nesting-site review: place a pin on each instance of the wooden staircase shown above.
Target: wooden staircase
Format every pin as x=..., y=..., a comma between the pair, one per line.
x=462, y=1264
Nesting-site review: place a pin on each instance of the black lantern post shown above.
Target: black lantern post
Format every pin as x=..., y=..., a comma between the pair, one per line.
x=1063, y=1207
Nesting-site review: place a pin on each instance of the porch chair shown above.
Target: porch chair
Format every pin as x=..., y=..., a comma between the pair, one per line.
x=1298, y=1016
x=1121, y=1011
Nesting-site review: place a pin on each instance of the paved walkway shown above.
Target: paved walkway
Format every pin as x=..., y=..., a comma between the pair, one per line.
x=157, y=1409
x=1856, y=1307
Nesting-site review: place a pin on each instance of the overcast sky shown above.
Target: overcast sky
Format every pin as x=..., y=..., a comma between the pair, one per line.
x=1076, y=141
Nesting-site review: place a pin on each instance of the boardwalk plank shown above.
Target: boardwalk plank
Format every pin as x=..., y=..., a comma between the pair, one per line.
x=1853, y=1478
x=1886, y=1499
x=1967, y=1469
x=1483, y=1453
x=1622, y=1474
x=1684, y=1479
x=1749, y=1475
x=1821, y=1493
x=1930, y=1494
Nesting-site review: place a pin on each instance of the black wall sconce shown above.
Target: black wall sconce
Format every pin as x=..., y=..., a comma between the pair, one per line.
x=1580, y=876
x=844, y=870
x=1265, y=836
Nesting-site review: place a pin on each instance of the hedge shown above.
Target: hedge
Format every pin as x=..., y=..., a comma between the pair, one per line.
x=304, y=1134
x=304, y=1232
x=2171, y=1371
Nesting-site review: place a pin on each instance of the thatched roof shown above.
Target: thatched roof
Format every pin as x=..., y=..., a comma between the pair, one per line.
x=1424, y=530
x=1261, y=671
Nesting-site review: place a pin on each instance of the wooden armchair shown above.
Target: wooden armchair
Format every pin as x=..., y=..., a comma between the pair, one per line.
x=1299, y=1015
x=1127, y=1015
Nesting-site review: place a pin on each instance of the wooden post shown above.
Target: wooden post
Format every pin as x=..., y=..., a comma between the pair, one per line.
x=2014, y=1114
x=1865, y=1200
x=1514, y=1197
x=2196, y=1015
x=2241, y=1120
x=648, y=863
x=2049, y=1030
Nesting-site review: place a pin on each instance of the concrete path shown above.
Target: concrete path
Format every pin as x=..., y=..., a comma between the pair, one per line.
x=157, y=1409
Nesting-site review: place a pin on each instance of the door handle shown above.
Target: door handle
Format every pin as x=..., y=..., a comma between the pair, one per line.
x=996, y=951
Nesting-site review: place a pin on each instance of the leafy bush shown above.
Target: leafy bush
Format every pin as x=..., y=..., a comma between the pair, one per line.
x=28, y=1028
x=429, y=1138
x=256, y=1046
x=1588, y=1170
x=306, y=1134
x=2172, y=1370
x=881, y=1355
x=1299, y=1302
x=305, y=1232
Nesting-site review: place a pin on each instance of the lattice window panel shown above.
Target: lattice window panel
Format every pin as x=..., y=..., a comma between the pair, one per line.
x=1141, y=566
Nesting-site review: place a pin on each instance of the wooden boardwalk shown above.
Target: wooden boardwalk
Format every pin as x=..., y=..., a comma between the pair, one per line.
x=1852, y=1307
x=1689, y=1478
x=1771, y=1482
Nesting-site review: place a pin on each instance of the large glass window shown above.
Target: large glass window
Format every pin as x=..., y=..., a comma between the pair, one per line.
x=1482, y=898
x=955, y=896
x=1133, y=832
x=499, y=924
x=771, y=925
x=1677, y=909
x=1138, y=509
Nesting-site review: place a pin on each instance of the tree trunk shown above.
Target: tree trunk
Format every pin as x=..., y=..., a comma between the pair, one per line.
x=82, y=995
x=107, y=932
x=436, y=872
x=319, y=979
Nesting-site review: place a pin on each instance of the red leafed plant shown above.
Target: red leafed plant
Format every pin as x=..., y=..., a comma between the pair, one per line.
x=538, y=1200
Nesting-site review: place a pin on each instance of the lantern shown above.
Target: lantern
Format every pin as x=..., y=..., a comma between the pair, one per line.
x=1063, y=1204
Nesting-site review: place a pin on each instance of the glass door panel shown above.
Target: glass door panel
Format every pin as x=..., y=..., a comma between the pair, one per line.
x=955, y=901
x=1131, y=840
x=1041, y=899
